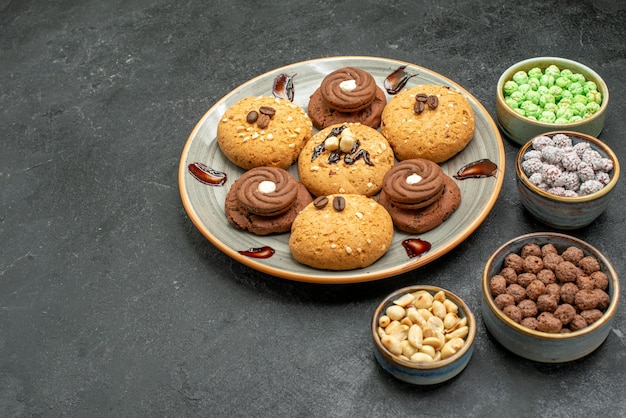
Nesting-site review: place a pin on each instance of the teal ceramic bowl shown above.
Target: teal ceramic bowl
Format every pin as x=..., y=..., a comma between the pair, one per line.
x=541, y=346
x=422, y=373
x=521, y=128
x=566, y=213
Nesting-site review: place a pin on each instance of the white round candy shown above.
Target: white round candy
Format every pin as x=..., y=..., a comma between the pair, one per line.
x=413, y=179
x=267, y=186
x=347, y=85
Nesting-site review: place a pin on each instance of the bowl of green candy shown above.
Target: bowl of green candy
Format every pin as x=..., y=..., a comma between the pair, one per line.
x=546, y=94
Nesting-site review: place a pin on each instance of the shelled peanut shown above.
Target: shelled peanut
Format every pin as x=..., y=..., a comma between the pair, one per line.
x=422, y=327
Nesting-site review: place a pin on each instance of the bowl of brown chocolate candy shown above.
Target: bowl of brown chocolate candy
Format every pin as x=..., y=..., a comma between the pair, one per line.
x=549, y=297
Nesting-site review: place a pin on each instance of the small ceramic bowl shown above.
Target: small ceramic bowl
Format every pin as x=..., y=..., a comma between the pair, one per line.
x=561, y=212
x=542, y=346
x=421, y=373
x=521, y=128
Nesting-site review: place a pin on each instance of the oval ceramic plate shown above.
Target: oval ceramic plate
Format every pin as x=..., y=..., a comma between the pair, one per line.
x=205, y=204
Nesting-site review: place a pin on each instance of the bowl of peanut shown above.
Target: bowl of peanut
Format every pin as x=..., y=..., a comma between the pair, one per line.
x=549, y=297
x=423, y=334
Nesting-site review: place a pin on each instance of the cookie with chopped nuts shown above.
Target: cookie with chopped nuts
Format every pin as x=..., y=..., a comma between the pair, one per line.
x=263, y=131
x=428, y=121
x=341, y=232
x=345, y=158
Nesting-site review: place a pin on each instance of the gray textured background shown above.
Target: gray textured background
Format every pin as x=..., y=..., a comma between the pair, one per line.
x=113, y=304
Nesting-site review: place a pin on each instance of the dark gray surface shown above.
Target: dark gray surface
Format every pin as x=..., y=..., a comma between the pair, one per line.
x=113, y=304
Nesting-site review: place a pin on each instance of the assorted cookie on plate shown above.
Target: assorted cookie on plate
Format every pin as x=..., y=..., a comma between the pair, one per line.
x=263, y=132
x=347, y=95
x=265, y=200
x=345, y=158
x=341, y=232
x=418, y=195
x=428, y=121
x=362, y=193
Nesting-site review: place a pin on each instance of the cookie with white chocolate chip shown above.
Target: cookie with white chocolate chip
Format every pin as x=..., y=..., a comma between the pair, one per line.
x=263, y=131
x=341, y=232
x=345, y=158
x=265, y=200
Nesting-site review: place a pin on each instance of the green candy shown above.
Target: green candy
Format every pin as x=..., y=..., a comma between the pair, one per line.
x=563, y=82
x=589, y=86
x=547, y=80
x=546, y=98
x=552, y=70
x=513, y=104
x=524, y=88
x=518, y=96
x=530, y=108
x=552, y=95
x=592, y=108
x=556, y=91
x=509, y=87
x=594, y=96
x=576, y=88
x=547, y=116
x=567, y=95
x=552, y=107
x=533, y=82
x=579, y=109
x=520, y=77
x=564, y=113
x=532, y=96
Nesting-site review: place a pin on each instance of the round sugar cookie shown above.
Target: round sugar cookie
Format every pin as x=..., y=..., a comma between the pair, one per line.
x=263, y=131
x=436, y=134
x=325, y=170
x=341, y=232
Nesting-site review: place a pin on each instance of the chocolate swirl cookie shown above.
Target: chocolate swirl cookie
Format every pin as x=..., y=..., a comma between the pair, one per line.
x=414, y=184
x=265, y=200
x=267, y=191
x=348, y=89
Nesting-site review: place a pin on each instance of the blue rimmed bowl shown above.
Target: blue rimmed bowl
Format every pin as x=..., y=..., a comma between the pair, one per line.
x=560, y=212
x=422, y=373
x=542, y=346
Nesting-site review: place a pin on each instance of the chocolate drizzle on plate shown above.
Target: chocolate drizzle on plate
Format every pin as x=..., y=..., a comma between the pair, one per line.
x=283, y=87
x=415, y=247
x=207, y=175
x=260, y=252
x=477, y=169
x=397, y=80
